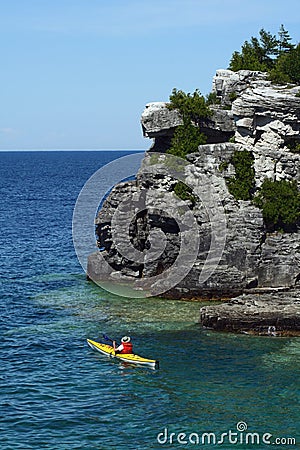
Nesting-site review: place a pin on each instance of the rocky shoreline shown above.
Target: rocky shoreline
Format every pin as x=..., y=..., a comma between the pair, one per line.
x=258, y=269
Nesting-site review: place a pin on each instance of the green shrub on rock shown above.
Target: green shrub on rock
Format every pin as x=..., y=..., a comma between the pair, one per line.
x=294, y=147
x=184, y=192
x=241, y=186
x=186, y=140
x=213, y=99
x=280, y=204
x=194, y=110
x=233, y=96
x=192, y=107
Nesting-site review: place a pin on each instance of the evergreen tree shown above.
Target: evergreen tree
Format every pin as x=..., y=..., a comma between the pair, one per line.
x=186, y=139
x=257, y=54
x=277, y=56
x=284, y=43
x=250, y=58
x=287, y=68
x=269, y=46
x=194, y=110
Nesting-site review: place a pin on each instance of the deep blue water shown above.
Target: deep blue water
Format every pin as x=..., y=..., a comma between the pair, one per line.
x=55, y=393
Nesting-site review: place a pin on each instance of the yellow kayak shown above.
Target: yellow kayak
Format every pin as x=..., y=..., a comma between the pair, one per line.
x=129, y=358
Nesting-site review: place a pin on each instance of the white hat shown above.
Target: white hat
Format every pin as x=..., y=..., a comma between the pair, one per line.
x=125, y=339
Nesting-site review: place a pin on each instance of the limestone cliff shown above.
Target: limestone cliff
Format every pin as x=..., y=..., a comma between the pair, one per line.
x=264, y=120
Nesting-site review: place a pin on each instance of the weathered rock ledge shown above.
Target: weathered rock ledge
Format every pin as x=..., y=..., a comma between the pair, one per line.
x=274, y=314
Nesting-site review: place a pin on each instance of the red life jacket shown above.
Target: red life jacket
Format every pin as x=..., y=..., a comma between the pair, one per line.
x=127, y=347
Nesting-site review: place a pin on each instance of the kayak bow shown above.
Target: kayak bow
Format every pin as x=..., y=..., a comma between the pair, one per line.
x=129, y=358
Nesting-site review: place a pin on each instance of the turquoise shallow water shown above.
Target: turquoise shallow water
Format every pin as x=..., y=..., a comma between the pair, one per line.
x=56, y=393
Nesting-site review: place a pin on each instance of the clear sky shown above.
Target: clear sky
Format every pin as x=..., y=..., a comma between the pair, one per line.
x=76, y=74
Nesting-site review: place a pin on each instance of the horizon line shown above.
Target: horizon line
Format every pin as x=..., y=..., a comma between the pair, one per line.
x=72, y=150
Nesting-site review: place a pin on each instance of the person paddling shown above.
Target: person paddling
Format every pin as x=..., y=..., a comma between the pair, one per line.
x=125, y=347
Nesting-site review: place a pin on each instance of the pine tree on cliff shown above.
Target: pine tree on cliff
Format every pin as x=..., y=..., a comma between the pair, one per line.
x=193, y=110
x=277, y=56
x=284, y=40
x=258, y=54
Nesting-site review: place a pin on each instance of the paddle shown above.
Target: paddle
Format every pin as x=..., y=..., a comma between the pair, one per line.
x=107, y=338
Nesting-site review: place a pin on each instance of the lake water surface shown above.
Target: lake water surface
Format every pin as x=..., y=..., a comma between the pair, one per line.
x=56, y=393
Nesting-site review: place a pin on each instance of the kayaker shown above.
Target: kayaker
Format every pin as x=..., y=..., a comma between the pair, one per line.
x=124, y=347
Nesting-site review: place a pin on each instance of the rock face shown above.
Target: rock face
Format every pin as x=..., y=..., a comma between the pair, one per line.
x=265, y=120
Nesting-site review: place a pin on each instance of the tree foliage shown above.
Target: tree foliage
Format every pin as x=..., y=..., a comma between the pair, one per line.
x=186, y=139
x=241, y=186
x=270, y=53
x=278, y=200
x=280, y=204
x=284, y=40
x=258, y=54
x=194, y=110
x=294, y=146
x=213, y=99
x=287, y=67
x=192, y=107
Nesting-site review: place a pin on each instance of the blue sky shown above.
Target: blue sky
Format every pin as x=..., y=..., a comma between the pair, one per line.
x=76, y=74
